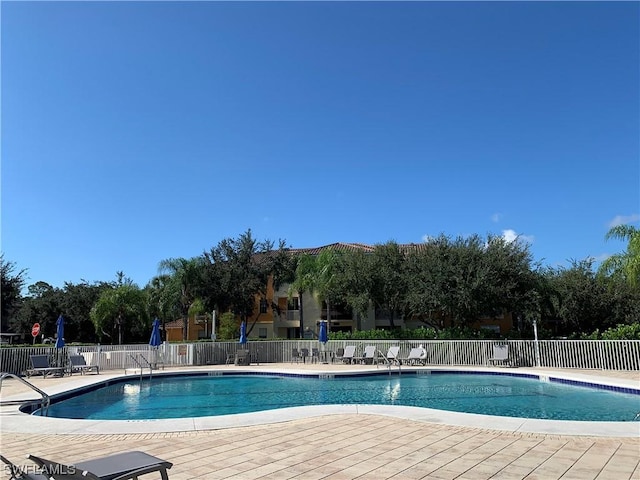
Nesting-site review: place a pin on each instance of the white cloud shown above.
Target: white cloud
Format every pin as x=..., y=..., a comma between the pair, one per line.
x=496, y=217
x=427, y=238
x=511, y=236
x=624, y=219
x=601, y=258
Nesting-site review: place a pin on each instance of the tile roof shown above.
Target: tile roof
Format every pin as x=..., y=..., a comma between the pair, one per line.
x=174, y=324
x=351, y=247
x=340, y=247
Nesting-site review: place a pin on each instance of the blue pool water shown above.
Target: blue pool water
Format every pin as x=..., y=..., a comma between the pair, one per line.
x=197, y=396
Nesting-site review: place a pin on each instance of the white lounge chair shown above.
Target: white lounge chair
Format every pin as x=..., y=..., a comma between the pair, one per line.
x=416, y=355
x=392, y=355
x=338, y=356
x=500, y=354
x=349, y=354
x=369, y=356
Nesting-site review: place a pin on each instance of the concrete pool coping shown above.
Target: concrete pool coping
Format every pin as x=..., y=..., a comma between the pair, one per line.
x=17, y=422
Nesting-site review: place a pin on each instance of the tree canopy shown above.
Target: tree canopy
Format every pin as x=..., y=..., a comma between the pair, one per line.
x=461, y=279
x=11, y=285
x=625, y=265
x=240, y=269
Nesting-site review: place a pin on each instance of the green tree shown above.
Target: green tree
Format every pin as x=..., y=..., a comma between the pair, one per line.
x=12, y=283
x=582, y=301
x=228, y=327
x=625, y=265
x=305, y=270
x=446, y=281
x=123, y=310
x=242, y=267
x=77, y=300
x=389, y=282
x=428, y=273
x=163, y=299
x=326, y=279
x=42, y=304
x=355, y=279
x=466, y=278
x=184, y=284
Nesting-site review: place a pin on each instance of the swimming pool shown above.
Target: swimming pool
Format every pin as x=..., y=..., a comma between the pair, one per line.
x=524, y=396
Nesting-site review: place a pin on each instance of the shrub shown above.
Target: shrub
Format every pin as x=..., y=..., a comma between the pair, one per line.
x=620, y=332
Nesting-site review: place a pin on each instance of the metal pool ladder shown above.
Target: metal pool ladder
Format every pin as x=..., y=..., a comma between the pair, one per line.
x=44, y=402
x=388, y=362
x=140, y=365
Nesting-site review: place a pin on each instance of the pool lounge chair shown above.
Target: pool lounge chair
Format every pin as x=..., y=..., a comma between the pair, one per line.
x=243, y=357
x=121, y=466
x=415, y=357
x=339, y=355
x=304, y=353
x=17, y=473
x=369, y=357
x=315, y=355
x=392, y=355
x=500, y=354
x=295, y=355
x=349, y=353
x=77, y=363
x=40, y=366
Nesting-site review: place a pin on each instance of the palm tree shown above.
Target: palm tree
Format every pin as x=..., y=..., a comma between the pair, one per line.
x=161, y=302
x=325, y=278
x=304, y=279
x=627, y=264
x=186, y=277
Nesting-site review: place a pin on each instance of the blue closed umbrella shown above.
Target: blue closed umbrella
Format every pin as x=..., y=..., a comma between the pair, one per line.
x=155, y=341
x=60, y=332
x=323, y=339
x=243, y=333
x=322, y=336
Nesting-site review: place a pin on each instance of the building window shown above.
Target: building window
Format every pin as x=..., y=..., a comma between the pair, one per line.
x=293, y=304
x=262, y=332
x=263, y=306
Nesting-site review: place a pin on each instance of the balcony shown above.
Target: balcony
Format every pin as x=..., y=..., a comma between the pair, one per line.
x=287, y=319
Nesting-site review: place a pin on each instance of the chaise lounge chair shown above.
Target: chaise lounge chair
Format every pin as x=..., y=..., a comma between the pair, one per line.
x=295, y=355
x=40, y=366
x=500, y=354
x=304, y=354
x=315, y=355
x=392, y=355
x=17, y=473
x=349, y=353
x=416, y=356
x=243, y=357
x=77, y=363
x=339, y=355
x=121, y=466
x=369, y=357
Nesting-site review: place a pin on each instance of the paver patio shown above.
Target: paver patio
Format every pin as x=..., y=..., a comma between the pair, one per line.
x=348, y=447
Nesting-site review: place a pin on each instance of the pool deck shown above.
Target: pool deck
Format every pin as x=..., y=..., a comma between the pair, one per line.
x=323, y=443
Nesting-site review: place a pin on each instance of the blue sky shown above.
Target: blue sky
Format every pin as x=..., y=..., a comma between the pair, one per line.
x=138, y=131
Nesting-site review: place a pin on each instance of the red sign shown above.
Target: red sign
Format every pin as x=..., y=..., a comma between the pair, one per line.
x=35, y=330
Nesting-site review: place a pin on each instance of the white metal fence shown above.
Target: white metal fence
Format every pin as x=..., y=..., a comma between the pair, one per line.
x=579, y=354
